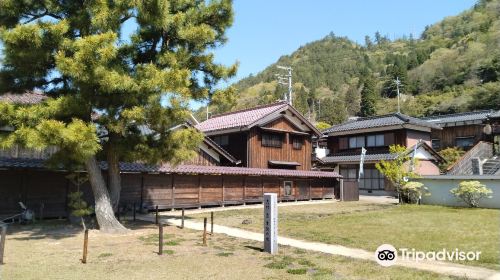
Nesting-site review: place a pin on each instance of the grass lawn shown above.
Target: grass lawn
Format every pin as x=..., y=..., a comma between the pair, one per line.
x=365, y=225
x=52, y=250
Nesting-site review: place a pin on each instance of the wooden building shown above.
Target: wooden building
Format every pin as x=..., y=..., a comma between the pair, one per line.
x=375, y=134
x=269, y=136
x=265, y=149
x=461, y=130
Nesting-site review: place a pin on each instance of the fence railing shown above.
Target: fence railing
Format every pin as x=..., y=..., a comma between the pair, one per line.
x=463, y=166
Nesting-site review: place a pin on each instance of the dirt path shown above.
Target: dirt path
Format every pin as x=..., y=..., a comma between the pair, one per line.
x=433, y=266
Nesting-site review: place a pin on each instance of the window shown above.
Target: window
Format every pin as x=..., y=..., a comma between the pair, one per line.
x=356, y=142
x=436, y=144
x=375, y=140
x=297, y=142
x=287, y=186
x=272, y=140
x=371, y=179
x=222, y=140
x=464, y=142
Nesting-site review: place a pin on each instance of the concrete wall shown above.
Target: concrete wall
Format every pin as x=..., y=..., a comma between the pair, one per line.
x=440, y=187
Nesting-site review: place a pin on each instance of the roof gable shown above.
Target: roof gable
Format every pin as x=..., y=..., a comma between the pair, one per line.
x=26, y=98
x=258, y=116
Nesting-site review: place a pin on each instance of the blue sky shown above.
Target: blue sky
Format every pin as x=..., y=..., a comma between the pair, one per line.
x=265, y=30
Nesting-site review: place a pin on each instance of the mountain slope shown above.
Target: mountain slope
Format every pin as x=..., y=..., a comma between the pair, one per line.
x=454, y=66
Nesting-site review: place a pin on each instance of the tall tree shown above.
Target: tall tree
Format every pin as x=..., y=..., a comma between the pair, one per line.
x=332, y=111
x=112, y=97
x=368, y=97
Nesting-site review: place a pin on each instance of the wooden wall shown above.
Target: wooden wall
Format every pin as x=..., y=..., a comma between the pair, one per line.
x=259, y=155
x=201, y=158
x=449, y=134
x=165, y=190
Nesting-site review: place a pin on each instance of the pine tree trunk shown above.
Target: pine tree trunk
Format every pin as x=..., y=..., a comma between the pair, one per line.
x=115, y=183
x=103, y=209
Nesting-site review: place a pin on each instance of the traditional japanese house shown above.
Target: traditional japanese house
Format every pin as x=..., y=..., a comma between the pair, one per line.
x=227, y=170
x=375, y=134
x=461, y=130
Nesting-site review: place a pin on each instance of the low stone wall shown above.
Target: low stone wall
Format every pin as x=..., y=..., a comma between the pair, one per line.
x=440, y=187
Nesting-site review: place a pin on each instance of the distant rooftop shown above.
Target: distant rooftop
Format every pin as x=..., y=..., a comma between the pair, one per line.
x=239, y=118
x=459, y=117
x=379, y=121
x=26, y=98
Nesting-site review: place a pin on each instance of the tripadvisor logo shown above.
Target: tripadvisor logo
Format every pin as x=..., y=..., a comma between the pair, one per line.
x=387, y=255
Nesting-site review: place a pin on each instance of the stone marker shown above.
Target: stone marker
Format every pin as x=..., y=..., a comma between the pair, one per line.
x=271, y=223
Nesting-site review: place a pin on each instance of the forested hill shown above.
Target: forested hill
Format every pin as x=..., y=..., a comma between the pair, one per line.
x=453, y=66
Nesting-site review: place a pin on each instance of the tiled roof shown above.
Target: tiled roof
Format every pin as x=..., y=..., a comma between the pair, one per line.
x=27, y=98
x=239, y=118
x=357, y=157
x=350, y=157
x=459, y=117
x=495, y=114
x=181, y=169
x=379, y=121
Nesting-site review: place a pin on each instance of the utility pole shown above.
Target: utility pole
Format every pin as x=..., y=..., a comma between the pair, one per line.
x=398, y=82
x=208, y=113
x=286, y=80
x=319, y=108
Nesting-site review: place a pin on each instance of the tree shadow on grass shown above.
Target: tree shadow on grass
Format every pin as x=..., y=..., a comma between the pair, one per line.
x=61, y=228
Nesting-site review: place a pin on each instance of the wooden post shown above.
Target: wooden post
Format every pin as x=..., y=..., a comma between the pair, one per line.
x=85, y=245
x=172, y=199
x=205, y=231
x=41, y=211
x=133, y=211
x=310, y=198
x=182, y=219
x=3, y=234
x=199, y=191
x=223, y=191
x=212, y=223
x=156, y=221
x=160, y=239
x=244, y=190
x=142, y=191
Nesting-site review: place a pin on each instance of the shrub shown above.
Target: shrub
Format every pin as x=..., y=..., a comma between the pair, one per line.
x=413, y=191
x=451, y=155
x=471, y=192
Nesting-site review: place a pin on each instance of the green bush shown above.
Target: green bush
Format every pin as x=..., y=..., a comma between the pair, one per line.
x=413, y=191
x=471, y=192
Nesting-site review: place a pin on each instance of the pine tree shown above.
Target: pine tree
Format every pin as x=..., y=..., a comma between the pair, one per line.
x=368, y=97
x=111, y=98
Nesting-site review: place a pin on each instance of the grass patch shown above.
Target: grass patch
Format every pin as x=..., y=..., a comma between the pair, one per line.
x=305, y=262
x=300, y=251
x=171, y=243
x=224, y=254
x=298, y=271
x=104, y=255
x=168, y=252
x=152, y=239
x=280, y=262
x=367, y=225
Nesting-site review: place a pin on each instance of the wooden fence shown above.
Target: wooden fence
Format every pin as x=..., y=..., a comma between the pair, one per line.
x=50, y=190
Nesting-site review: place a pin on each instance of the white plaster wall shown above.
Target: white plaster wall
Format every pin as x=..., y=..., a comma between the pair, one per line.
x=440, y=187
